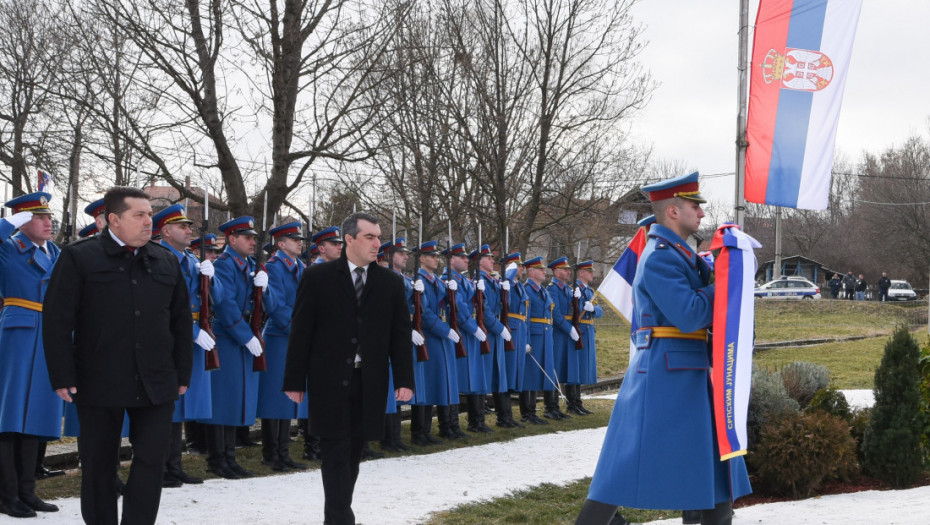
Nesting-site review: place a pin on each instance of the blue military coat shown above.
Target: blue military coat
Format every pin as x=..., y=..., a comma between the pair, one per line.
x=540, y=362
x=234, y=385
x=437, y=378
x=660, y=451
x=392, y=398
x=518, y=305
x=563, y=347
x=587, y=356
x=28, y=404
x=495, y=366
x=471, y=368
x=284, y=275
x=196, y=403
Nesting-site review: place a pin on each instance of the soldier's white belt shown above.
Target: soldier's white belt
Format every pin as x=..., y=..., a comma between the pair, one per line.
x=22, y=303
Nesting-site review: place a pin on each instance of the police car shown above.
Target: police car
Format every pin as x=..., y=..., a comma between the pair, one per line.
x=901, y=291
x=788, y=288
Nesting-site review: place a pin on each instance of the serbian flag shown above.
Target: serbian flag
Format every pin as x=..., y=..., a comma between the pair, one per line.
x=44, y=180
x=800, y=57
x=617, y=286
x=734, y=312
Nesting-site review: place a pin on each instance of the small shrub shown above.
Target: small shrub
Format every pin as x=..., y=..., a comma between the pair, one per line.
x=831, y=401
x=892, y=444
x=857, y=427
x=924, y=365
x=798, y=451
x=767, y=399
x=803, y=380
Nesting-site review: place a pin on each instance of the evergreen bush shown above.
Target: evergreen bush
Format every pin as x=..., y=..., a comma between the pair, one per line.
x=892, y=448
x=797, y=451
x=803, y=380
x=767, y=399
x=858, y=425
x=831, y=401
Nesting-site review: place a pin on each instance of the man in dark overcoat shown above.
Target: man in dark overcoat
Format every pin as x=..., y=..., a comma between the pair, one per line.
x=350, y=316
x=118, y=340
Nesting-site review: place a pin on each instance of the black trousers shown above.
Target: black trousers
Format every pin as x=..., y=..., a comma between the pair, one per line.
x=341, y=456
x=18, y=456
x=150, y=435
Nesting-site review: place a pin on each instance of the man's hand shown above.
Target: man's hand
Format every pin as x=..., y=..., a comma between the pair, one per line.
x=418, y=285
x=20, y=218
x=452, y=284
x=403, y=394
x=505, y=285
x=205, y=341
x=577, y=293
x=206, y=268
x=296, y=397
x=254, y=346
x=574, y=334
x=454, y=336
x=505, y=334
x=588, y=306
x=64, y=393
x=529, y=349
x=181, y=390
x=480, y=285
x=417, y=338
x=480, y=335
x=261, y=280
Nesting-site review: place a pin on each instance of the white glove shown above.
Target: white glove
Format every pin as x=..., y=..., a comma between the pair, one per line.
x=452, y=285
x=577, y=293
x=506, y=334
x=418, y=285
x=206, y=268
x=254, y=346
x=574, y=334
x=417, y=338
x=20, y=218
x=480, y=335
x=529, y=349
x=511, y=266
x=261, y=280
x=505, y=285
x=480, y=285
x=588, y=306
x=454, y=336
x=205, y=341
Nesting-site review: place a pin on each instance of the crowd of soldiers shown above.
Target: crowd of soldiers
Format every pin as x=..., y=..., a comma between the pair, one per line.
x=478, y=334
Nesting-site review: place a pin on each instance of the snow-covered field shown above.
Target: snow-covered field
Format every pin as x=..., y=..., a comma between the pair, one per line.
x=406, y=490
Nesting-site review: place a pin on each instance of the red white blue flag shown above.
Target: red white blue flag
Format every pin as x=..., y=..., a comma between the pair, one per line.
x=617, y=286
x=800, y=57
x=44, y=180
x=734, y=313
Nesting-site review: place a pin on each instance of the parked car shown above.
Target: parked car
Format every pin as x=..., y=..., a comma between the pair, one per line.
x=901, y=291
x=788, y=288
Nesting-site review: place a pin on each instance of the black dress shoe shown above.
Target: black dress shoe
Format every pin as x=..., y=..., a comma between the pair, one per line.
x=17, y=509
x=310, y=455
x=239, y=471
x=293, y=464
x=36, y=504
x=533, y=419
x=480, y=427
x=389, y=446
x=170, y=483
x=223, y=472
x=551, y=414
x=186, y=478
x=513, y=423
x=44, y=473
x=276, y=465
x=432, y=439
x=370, y=454
x=399, y=445
x=577, y=411
x=503, y=423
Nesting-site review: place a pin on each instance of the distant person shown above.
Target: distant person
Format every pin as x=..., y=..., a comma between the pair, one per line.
x=835, y=284
x=849, y=285
x=861, y=286
x=883, y=285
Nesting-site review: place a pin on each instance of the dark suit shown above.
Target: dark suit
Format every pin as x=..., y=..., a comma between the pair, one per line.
x=118, y=327
x=346, y=404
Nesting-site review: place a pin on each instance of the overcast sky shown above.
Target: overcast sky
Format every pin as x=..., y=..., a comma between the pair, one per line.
x=692, y=53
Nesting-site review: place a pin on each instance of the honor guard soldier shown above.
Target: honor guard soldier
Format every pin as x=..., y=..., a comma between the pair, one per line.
x=564, y=335
x=29, y=408
x=473, y=383
x=517, y=307
x=211, y=250
x=498, y=333
x=587, y=356
x=540, y=361
x=274, y=408
x=660, y=449
x=96, y=210
x=234, y=384
x=196, y=403
x=88, y=231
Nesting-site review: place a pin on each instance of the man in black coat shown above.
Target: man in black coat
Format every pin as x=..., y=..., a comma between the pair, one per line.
x=349, y=318
x=118, y=339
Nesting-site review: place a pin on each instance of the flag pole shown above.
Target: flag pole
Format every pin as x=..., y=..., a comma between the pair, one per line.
x=743, y=68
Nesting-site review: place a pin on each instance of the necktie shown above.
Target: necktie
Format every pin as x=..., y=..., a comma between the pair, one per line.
x=43, y=250
x=359, y=282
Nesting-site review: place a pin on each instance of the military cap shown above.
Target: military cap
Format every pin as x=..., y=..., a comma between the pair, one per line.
x=535, y=262
x=561, y=262
x=381, y=255
x=333, y=234
x=514, y=257
x=95, y=208
x=427, y=248
x=585, y=265
x=400, y=244
x=170, y=215
x=384, y=247
x=35, y=202
x=647, y=221
x=685, y=187
x=457, y=250
x=211, y=243
x=244, y=224
x=87, y=231
x=291, y=229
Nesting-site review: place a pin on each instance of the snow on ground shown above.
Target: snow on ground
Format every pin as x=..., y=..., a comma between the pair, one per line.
x=401, y=491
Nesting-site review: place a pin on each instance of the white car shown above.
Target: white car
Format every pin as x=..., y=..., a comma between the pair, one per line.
x=901, y=291
x=788, y=288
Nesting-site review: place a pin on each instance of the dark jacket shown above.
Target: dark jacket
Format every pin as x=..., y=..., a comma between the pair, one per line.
x=835, y=284
x=117, y=325
x=861, y=285
x=849, y=282
x=329, y=327
x=884, y=284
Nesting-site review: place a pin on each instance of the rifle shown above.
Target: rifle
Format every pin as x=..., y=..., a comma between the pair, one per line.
x=422, y=353
x=479, y=299
x=576, y=308
x=259, y=363
x=211, y=359
x=453, y=309
x=505, y=295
